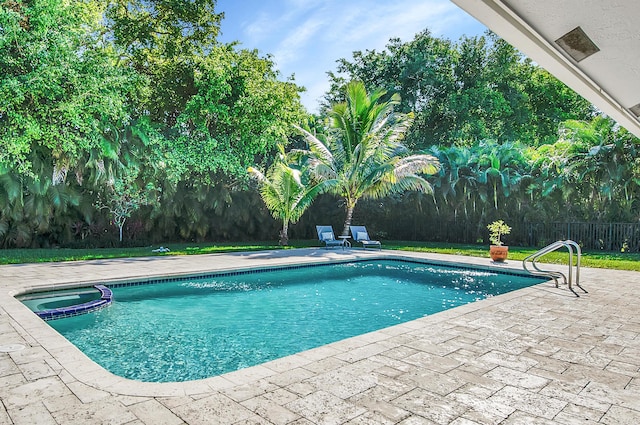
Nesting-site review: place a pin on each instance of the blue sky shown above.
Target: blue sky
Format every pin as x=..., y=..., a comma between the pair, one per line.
x=306, y=37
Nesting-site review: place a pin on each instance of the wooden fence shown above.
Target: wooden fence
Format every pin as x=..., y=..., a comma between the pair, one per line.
x=622, y=237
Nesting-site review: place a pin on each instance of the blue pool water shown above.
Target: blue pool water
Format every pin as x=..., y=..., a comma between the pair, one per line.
x=197, y=328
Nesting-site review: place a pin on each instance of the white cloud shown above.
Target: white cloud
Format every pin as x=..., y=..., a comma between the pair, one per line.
x=257, y=29
x=297, y=41
x=272, y=21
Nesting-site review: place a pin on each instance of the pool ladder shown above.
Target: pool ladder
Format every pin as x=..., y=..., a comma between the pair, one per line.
x=555, y=275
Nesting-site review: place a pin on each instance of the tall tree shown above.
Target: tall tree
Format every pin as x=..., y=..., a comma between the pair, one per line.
x=59, y=85
x=287, y=192
x=501, y=168
x=215, y=108
x=239, y=112
x=61, y=93
x=161, y=40
x=365, y=157
x=420, y=71
x=475, y=89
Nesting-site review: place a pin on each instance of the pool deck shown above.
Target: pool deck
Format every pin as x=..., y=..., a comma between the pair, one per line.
x=539, y=355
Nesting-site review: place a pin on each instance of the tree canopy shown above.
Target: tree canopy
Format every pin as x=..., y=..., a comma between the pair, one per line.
x=92, y=90
x=478, y=88
x=107, y=102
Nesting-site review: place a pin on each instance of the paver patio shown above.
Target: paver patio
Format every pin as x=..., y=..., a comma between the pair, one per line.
x=534, y=356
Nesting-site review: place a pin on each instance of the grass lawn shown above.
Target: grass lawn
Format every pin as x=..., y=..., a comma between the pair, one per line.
x=607, y=260
x=598, y=259
x=18, y=256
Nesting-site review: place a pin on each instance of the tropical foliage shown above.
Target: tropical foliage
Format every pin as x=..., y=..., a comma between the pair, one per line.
x=364, y=157
x=136, y=105
x=462, y=93
x=287, y=192
x=590, y=174
x=93, y=90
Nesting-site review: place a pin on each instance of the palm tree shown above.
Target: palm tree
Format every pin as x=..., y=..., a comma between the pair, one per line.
x=287, y=192
x=501, y=166
x=364, y=156
x=457, y=180
x=605, y=170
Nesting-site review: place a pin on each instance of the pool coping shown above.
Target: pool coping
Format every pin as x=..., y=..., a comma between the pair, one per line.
x=90, y=373
x=534, y=355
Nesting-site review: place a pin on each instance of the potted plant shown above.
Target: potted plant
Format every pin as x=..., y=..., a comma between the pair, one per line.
x=497, y=229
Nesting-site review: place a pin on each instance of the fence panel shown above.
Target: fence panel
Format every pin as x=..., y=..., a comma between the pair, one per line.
x=623, y=237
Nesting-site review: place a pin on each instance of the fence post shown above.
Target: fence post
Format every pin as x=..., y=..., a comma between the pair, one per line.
x=610, y=244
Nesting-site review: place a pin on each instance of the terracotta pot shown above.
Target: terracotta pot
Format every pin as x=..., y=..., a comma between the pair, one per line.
x=498, y=252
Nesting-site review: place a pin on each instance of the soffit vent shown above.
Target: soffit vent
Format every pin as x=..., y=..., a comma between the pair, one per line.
x=577, y=44
x=635, y=110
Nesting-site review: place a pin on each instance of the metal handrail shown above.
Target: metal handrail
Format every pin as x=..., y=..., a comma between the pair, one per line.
x=545, y=273
x=555, y=275
x=578, y=255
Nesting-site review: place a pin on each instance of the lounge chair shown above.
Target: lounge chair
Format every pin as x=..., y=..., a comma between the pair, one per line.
x=325, y=234
x=360, y=234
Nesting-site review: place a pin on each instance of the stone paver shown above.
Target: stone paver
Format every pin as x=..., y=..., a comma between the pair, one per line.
x=535, y=356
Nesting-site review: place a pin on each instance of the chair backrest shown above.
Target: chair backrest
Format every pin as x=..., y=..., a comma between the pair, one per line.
x=359, y=233
x=325, y=233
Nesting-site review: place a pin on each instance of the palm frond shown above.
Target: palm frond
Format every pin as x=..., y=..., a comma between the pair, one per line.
x=317, y=148
x=414, y=164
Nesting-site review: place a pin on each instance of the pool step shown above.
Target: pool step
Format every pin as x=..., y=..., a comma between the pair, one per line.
x=106, y=297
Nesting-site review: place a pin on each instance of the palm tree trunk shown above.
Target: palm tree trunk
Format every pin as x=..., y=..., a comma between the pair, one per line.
x=347, y=221
x=465, y=199
x=284, y=233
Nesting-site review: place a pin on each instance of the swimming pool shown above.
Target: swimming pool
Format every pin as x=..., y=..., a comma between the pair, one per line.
x=196, y=328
